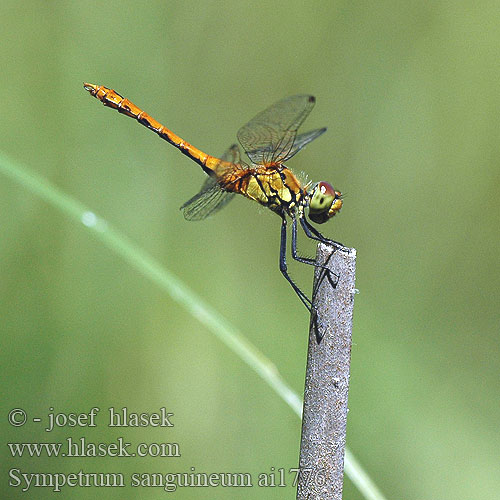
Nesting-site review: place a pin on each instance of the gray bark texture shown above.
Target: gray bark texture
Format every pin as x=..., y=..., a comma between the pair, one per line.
x=324, y=417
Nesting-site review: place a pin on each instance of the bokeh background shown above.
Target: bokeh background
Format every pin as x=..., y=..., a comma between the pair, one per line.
x=409, y=92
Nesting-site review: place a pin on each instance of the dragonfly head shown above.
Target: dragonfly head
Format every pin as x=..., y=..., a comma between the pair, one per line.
x=324, y=202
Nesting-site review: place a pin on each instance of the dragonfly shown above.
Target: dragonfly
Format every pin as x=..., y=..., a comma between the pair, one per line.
x=269, y=140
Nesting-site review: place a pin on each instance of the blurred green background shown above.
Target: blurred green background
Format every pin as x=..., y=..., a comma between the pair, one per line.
x=409, y=93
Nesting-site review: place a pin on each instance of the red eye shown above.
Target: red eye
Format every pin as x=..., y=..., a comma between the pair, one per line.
x=326, y=188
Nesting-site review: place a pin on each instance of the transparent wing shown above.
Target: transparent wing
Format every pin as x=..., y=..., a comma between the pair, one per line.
x=270, y=136
x=302, y=140
x=211, y=197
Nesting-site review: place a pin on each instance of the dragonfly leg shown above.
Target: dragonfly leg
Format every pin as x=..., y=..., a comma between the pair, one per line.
x=284, y=268
x=314, y=234
x=311, y=262
x=295, y=255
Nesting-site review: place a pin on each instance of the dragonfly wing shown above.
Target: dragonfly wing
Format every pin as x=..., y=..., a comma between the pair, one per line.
x=211, y=197
x=270, y=136
x=302, y=140
x=232, y=154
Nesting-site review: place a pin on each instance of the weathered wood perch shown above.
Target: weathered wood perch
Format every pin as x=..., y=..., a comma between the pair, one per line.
x=324, y=417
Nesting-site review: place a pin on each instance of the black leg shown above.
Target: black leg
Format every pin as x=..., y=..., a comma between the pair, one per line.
x=284, y=269
x=332, y=277
x=313, y=233
x=295, y=255
x=305, y=260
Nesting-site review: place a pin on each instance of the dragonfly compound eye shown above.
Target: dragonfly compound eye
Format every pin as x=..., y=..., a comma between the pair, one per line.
x=324, y=202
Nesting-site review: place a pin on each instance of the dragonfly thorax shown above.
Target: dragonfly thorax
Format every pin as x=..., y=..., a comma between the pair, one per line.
x=273, y=186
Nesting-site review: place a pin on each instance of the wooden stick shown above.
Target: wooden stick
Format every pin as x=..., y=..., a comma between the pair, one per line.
x=324, y=419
